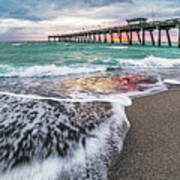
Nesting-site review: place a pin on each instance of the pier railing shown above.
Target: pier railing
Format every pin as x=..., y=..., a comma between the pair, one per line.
x=140, y=29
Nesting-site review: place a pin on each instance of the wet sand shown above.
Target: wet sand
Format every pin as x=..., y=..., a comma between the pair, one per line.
x=152, y=146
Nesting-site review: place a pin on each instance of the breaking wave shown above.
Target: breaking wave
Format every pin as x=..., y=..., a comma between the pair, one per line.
x=59, y=139
x=148, y=62
x=54, y=70
x=47, y=70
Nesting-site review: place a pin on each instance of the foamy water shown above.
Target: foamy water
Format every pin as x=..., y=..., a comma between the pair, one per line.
x=117, y=47
x=16, y=44
x=85, y=157
x=150, y=62
x=48, y=70
x=172, y=81
x=147, y=63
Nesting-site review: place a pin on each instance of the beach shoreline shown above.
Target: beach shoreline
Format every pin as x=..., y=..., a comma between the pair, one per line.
x=151, y=148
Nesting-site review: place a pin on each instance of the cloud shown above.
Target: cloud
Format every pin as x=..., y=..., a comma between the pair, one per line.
x=104, y=2
x=38, y=18
x=47, y=9
x=19, y=29
x=158, y=10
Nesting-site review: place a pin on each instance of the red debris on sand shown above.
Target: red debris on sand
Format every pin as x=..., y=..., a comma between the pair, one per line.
x=130, y=82
x=122, y=83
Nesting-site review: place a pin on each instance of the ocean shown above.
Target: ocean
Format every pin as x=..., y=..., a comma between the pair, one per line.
x=63, y=104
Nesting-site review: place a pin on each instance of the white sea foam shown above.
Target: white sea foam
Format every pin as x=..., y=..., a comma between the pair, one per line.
x=117, y=47
x=113, y=129
x=124, y=100
x=149, y=89
x=153, y=89
x=53, y=167
x=16, y=44
x=34, y=171
x=172, y=81
x=149, y=62
x=47, y=70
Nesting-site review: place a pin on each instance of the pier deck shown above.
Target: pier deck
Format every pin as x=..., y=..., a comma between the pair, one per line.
x=96, y=34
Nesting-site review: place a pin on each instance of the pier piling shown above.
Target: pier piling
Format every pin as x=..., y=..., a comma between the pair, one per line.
x=168, y=37
x=105, y=38
x=138, y=35
x=120, y=36
x=127, y=35
x=152, y=37
x=179, y=37
x=143, y=37
x=130, y=39
x=99, y=37
x=112, y=37
x=159, y=37
x=94, y=37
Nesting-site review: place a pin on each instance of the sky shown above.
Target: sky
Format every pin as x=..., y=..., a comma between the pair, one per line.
x=36, y=19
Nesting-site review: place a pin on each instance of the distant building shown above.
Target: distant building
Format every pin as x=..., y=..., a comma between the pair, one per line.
x=136, y=21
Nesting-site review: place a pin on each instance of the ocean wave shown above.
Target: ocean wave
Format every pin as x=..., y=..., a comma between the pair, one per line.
x=149, y=62
x=47, y=70
x=145, y=63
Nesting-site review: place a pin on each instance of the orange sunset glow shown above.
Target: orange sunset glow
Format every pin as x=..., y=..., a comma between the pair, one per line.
x=116, y=38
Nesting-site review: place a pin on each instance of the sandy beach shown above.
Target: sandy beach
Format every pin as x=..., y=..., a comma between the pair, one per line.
x=152, y=148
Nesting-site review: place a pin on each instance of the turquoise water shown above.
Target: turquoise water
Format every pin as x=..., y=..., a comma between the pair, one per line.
x=47, y=58
x=45, y=53
x=53, y=128
x=19, y=60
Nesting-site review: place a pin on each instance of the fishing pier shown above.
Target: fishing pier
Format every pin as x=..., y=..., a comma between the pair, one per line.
x=139, y=26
